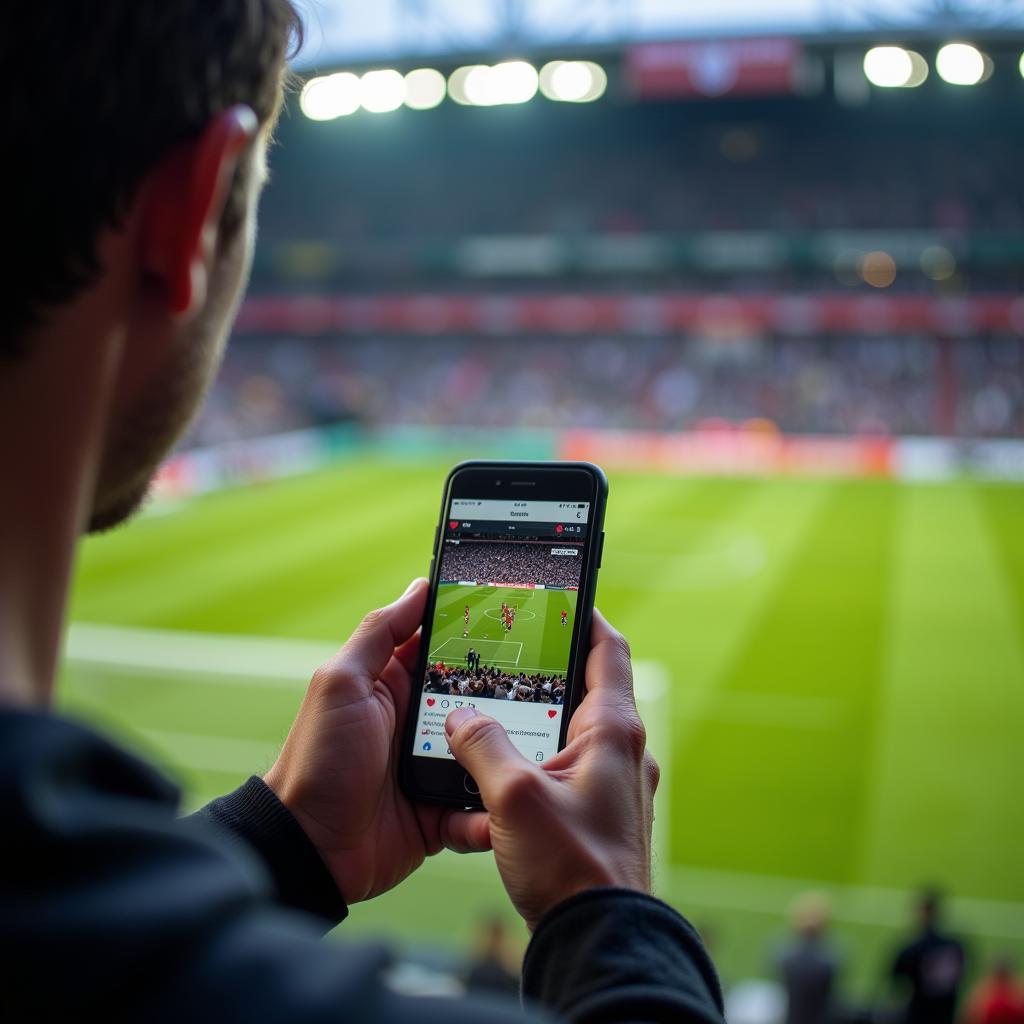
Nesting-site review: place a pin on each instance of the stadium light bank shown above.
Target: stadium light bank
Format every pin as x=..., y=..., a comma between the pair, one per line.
x=328, y=97
x=895, y=67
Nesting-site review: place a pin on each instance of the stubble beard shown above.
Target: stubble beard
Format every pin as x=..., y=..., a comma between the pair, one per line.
x=145, y=435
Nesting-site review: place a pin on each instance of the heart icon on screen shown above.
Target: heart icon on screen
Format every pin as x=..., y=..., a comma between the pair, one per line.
x=430, y=702
x=552, y=713
x=453, y=523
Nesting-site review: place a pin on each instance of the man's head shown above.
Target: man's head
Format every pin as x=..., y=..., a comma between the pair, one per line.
x=810, y=914
x=929, y=906
x=139, y=131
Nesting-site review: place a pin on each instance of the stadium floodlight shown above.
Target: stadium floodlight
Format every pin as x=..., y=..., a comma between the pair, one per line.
x=457, y=82
x=380, y=92
x=330, y=96
x=573, y=81
x=893, y=67
x=960, y=64
x=424, y=89
x=512, y=81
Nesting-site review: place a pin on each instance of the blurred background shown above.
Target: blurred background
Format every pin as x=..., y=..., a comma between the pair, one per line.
x=763, y=263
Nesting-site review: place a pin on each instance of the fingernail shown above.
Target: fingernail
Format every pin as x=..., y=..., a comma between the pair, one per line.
x=412, y=585
x=456, y=718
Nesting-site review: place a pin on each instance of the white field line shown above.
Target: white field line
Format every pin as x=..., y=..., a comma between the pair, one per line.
x=248, y=660
x=652, y=685
x=470, y=641
x=495, y=613
x=221, y=659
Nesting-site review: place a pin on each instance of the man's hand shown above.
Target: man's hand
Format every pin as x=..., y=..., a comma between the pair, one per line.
x=581, y=820
x=337, y=773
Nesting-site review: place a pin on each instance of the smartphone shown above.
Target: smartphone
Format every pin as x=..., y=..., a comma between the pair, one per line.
x=507, y=622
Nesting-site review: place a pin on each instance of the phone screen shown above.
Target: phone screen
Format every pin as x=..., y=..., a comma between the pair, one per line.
x=503, y=620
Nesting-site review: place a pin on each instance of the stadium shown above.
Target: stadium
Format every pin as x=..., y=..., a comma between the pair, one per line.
x=769, y=274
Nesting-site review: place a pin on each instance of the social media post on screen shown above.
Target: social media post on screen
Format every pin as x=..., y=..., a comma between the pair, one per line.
x=503, y=621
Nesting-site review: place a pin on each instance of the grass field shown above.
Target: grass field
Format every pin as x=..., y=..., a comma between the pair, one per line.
x=832, y=673
x=537, y=642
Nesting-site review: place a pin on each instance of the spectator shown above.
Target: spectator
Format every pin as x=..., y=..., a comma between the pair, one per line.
x=809, y=966
x=930, y=967
x=489, y=969
x=996, y=999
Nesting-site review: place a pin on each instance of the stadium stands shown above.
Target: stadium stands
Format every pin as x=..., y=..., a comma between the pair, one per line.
x=526, y=563
x=847, y=384
x=801, y=202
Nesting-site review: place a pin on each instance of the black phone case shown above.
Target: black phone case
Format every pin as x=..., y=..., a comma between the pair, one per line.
x=584, y=615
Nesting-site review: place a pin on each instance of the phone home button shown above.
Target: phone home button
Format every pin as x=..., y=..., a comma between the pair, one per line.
x=470, y=786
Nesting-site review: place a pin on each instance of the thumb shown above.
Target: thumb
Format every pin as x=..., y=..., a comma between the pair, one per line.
x=374, y=641
x=481, y=745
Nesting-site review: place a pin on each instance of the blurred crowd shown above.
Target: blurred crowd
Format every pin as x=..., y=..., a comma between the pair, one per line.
x=523, y=562
x=909, y=385
x=494, y=683
x=631, y=177
x=924, y=980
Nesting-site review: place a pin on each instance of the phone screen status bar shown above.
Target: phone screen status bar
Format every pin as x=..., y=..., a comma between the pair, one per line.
x=494, y=510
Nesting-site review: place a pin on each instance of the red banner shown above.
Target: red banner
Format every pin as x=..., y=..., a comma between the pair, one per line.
x=642, y=314
x=722, y=67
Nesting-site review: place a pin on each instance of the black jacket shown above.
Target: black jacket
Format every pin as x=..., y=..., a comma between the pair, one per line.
x=110, y=904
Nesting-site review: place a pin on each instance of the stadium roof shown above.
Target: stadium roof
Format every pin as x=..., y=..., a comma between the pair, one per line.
x=340, y=30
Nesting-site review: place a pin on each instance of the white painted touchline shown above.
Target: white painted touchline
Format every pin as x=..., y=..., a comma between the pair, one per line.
x=279, y=659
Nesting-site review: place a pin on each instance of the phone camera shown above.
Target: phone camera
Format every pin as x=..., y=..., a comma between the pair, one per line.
x=497, y=483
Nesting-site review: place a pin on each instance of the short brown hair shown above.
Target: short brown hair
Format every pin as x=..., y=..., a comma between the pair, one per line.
x=97, y=93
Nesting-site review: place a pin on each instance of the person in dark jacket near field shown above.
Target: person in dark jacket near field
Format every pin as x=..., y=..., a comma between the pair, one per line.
x=930, y=968
x=137, y=132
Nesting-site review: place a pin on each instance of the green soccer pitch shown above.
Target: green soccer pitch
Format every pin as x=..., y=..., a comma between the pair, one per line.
x=537, y=641
x=831, y=673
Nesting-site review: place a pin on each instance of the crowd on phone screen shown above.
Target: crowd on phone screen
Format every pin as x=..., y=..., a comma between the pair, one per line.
x=522, y=562
x=494, y=683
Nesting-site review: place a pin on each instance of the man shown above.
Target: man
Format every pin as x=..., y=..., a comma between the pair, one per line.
x=930, y=967
x=808, y=966
x=489, y=962
x=138, y=135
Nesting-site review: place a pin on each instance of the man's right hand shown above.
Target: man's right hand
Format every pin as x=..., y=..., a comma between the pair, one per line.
x=583, y=819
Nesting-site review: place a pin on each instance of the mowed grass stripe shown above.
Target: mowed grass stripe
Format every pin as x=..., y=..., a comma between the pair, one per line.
x=1002, y=506
x=790, y=800
x=952, y=721
x=240, y=584
x=228, y=517
x=696, y=630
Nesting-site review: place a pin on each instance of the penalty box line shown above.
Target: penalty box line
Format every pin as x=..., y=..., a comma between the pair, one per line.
x=472, y=641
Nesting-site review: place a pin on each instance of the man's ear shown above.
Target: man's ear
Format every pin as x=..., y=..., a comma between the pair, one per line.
x=184, y=200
